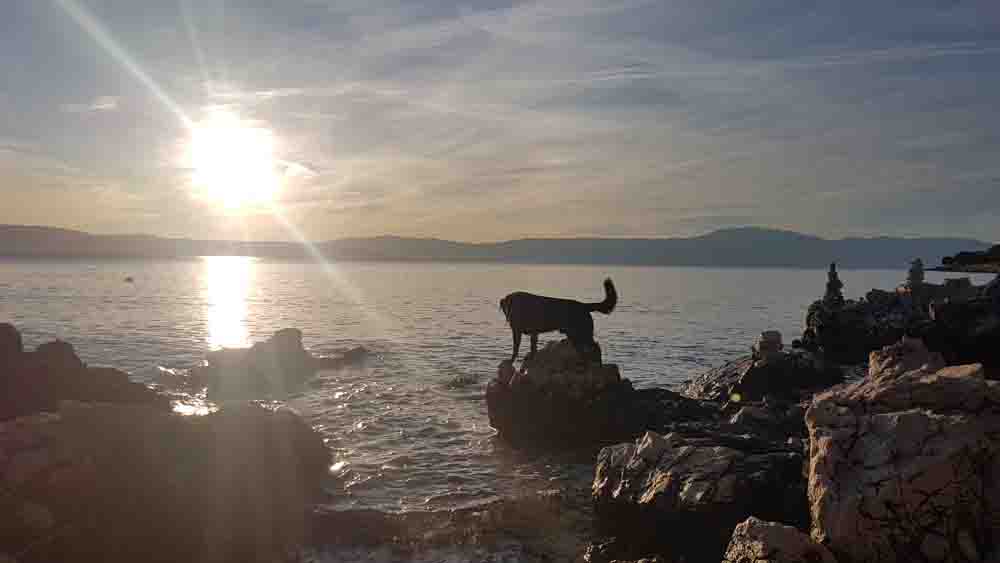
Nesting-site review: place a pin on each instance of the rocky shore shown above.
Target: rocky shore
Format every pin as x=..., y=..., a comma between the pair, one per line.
x=873, y=437
x=870, y=439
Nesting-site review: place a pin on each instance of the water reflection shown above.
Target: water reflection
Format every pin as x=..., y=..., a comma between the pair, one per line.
x=227, y=288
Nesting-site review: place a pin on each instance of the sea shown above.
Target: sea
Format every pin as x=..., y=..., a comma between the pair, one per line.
x=409, y=430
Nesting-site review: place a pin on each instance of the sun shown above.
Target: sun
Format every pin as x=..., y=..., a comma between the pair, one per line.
x=233, y=161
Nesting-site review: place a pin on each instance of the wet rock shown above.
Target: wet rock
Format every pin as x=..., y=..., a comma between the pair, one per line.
x=271, y=369
x=757, y=541
x=10, y=343
x=697, y=486
x=36, y=381
x=129, y=483
x=559, y=399
x=789, y=375
x=904, y=464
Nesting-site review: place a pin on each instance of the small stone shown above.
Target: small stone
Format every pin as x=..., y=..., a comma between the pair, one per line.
x=36, y=516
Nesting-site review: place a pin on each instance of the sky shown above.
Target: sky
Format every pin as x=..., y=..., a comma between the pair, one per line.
x=484, y=121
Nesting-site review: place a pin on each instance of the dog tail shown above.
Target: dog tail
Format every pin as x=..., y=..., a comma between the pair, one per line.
x=610, y=299
x=505, y=307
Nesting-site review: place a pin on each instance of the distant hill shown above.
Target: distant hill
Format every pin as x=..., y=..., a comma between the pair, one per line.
x=745, y=246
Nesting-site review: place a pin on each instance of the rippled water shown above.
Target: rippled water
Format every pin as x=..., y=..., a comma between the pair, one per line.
x=410, y=431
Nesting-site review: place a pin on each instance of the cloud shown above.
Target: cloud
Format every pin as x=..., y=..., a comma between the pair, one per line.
x=99, y=104
x=487, y=121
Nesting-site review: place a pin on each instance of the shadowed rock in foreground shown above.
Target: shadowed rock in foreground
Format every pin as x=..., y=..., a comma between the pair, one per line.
x=271, y=369
x=101, y=482
x=94, y=467
x=559, y=399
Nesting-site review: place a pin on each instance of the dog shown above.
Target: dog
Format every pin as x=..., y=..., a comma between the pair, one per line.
x=534, y=314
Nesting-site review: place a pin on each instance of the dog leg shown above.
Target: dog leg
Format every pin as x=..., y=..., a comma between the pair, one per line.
x=517, y=343
x=534, y=345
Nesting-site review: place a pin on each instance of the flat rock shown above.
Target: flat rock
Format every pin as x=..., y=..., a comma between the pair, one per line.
x=757, y=541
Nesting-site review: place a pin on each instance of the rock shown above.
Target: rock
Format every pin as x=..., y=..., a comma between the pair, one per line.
x=129, y=483
x=560, y=400
x=768, y=346
x=10, y=343
x=789, y=375
x=756, y=541
x=966, y=332
x=904, y=466
x=36, y=381
x=36, y=517
x=57, y=355
x=847, y=333
x=270, y=369
x=907, y=355
x=697, y=486
x=717, y=384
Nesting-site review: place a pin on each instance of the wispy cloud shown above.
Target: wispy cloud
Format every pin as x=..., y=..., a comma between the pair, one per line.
x=99, y=104
x=481, y=121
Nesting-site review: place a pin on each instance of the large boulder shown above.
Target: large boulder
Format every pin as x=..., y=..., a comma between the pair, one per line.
x=11, y=346
x=97, y=482
x=273, y=368
x=847, y=333
x=966, y=332
x=757, y=541
x=37, y=381
x=682, y=493
x=904, y=465
x=787, y=375
x=559, y=399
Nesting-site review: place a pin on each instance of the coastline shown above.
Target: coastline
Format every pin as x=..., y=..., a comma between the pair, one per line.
x=775, y=386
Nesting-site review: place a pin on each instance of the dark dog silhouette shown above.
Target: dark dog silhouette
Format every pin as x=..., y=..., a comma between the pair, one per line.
x=534, y=314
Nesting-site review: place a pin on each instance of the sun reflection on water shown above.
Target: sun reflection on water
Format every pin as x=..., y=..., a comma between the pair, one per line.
x=227, y=288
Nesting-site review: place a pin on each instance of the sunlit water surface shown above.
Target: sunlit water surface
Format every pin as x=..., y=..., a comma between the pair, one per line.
x=410, y=431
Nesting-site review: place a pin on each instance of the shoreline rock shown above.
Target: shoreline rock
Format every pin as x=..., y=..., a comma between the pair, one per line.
x=560, y=400
x=36, y=381
x=903, y=464
x=125, y=483
x=95, y=467
x=275, y=367
x=697, y=487
x=755, y=540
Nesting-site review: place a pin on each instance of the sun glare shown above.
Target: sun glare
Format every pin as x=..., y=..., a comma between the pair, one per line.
x=233, y=161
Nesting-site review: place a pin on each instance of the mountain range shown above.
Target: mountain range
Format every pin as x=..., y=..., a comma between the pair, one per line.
x=742, y=246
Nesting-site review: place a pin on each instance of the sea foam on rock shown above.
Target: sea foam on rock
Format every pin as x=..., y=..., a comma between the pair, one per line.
x=560, y=399
x=904, y=465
